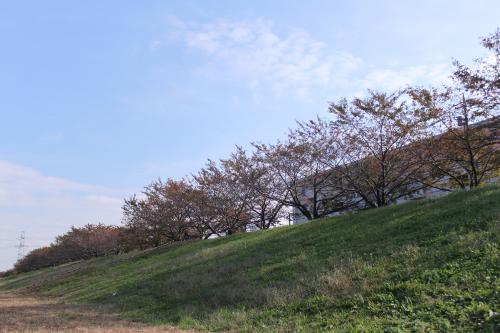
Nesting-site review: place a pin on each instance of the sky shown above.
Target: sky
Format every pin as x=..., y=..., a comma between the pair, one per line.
x=99, y=98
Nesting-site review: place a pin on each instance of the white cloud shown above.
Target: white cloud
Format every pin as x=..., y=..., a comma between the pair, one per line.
x=154, y=45
x=292, y=63
x=45, y=206
x=253, y=51
x=393, y=79
x=22, y=186
x=105, y=199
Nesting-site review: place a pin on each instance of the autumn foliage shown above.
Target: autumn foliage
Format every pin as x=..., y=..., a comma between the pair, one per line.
x=374, y=151
x=91, y=240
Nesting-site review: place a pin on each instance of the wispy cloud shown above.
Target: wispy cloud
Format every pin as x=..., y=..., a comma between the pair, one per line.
x=392, y=79
x=255, y=52
x=45, y=206
x=290, y=62
x=154, y=45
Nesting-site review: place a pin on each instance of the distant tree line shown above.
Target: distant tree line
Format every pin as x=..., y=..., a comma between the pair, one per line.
x=89, y=241
x=374, y=151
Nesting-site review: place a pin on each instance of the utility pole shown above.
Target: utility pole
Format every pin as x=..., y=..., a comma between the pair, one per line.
x=21, y=246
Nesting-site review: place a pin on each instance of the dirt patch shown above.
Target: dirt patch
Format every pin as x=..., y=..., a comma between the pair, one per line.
x=27, y=314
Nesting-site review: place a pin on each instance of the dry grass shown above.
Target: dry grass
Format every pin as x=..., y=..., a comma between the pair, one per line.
x=26, y=314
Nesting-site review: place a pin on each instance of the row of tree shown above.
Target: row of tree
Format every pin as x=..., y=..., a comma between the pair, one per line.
x=374, y=151
x=92, y=240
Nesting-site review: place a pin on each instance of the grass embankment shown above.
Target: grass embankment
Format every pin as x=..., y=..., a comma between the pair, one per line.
x=425, y=266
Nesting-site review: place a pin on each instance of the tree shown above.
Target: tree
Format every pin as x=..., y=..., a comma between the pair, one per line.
x=175, y=198
x=303, y=179
x=465, y=114
x=226, y=197
x=483, y=81
x=466, y=150
x=376, y=131
x=162, y=216
x=36, y=259
x=91, y=240
x=265, y=211
x=203, y=219
x=145, y=227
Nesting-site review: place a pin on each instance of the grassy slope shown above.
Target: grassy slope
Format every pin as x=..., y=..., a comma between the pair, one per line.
x=429, y=265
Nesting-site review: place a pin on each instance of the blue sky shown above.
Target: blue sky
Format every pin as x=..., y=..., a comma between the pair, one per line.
x=98, y=98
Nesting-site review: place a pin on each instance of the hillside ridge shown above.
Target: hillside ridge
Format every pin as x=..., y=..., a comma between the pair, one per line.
x=431, y=264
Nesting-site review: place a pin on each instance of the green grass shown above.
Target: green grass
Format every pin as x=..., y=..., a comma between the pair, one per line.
x=425, y=266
